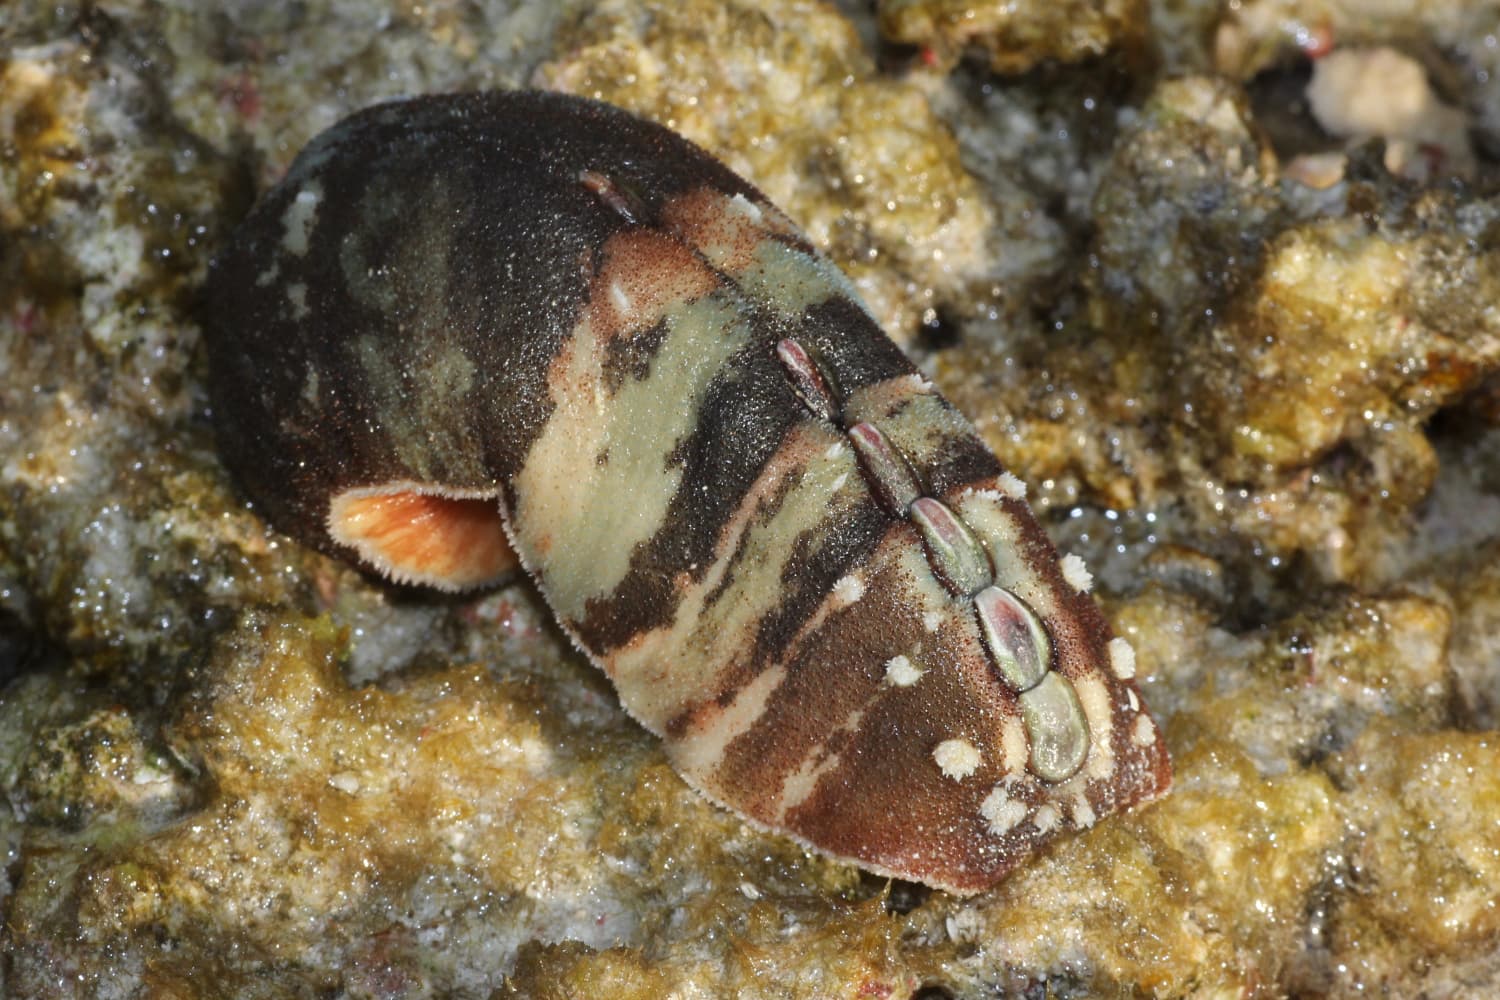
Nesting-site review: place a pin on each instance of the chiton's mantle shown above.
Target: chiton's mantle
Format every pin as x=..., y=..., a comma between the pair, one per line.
x=469, y=330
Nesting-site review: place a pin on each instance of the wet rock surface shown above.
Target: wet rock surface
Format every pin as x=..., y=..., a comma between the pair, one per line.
x=1247, y=366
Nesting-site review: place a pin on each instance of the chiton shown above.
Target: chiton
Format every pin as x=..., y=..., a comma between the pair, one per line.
x=471, y=330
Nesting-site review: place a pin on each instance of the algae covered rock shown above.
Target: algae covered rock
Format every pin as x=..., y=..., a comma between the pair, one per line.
x=1247, y=367
x=1015, y=36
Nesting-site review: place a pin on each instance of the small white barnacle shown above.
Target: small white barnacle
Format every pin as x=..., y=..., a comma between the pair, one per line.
x=901, y=672
x=1076, y=572
x=957, y=758
x=1083, y=813
x=931, y=621
x=1011, y=485
x=1002, y=812
x=1122, y=659
x=1144, y=733
x=848, y=589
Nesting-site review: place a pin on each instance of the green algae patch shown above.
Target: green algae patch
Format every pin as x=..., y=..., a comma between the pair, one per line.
x=1262, y=843
x=1312, y=685
x=100, y=767
x=1101, y=914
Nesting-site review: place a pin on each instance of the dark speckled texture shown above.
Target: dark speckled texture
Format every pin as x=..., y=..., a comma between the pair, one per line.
x=200, y=802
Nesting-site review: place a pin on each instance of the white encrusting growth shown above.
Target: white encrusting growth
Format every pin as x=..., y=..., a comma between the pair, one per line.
x=1144, y=733
x=901, y=672
x=744, y=206
x=956, y=758
x=1076, y=572
x=1002, y=812
x=1122, y=658
x=849, y=589
x=835, y=450
x=931, y=620
x=1046, y=818
x=1083, y=813
x=1013, y=744
x=1012, y=486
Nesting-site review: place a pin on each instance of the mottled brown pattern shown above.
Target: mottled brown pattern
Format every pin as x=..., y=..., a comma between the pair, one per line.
x=835, y=670
x=643, y=274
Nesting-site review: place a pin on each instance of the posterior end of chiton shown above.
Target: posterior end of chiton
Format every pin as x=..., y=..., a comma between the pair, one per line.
x=414, y=534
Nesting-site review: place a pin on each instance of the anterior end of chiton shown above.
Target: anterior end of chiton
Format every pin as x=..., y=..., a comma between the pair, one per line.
x=413, y=535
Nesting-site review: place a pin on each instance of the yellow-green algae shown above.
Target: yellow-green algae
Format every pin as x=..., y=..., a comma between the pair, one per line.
x=1015, y=35
x=231, y=767
x=1426, y=857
